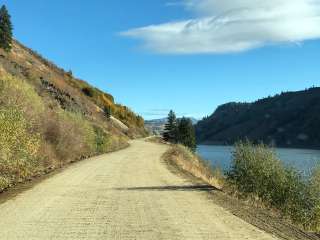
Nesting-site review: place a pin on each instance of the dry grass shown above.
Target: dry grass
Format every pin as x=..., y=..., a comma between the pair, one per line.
x=37, y=136
x=32, y=67
x=185, y=160
x=47, y=120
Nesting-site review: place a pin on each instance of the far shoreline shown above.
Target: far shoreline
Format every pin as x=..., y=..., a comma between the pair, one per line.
x=297, y=147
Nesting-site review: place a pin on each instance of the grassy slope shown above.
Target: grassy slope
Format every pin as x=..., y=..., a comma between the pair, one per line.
x=48, y=118
x=182, y=158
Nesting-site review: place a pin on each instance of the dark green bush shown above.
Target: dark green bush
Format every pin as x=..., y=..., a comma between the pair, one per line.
x=101, y=140
x=88, y=91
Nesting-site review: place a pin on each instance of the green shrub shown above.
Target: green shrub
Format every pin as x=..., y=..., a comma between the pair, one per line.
x=102, y=140
x=257, y=172
x=20, y=113
x=88, y=91
x=116, y=143
x=4, y=183
x=18, y=148
x=19, y=94
x=75, y=137
x=314, y=200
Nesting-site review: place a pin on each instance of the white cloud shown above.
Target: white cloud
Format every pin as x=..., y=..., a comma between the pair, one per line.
x=223, y=26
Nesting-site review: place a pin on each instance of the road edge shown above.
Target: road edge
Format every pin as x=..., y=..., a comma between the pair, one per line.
x=14, y=191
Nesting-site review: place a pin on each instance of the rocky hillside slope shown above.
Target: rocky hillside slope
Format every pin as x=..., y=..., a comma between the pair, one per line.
x=49, y=118
x=70, y=93
x=289, y=119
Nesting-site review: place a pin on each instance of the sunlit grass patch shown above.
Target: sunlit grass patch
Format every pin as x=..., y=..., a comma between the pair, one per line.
x=186, y=160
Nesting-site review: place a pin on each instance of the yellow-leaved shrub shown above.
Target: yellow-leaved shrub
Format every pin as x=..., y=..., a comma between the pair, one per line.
x=19, y=148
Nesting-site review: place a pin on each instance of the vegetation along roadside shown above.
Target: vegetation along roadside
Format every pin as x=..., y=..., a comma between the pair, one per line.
x=49, y=118
x=257, y=176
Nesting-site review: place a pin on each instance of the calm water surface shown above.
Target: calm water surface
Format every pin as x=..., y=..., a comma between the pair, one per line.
x=302, y=159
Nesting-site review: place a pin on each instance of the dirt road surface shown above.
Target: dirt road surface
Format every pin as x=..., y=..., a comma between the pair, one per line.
x=128, y=194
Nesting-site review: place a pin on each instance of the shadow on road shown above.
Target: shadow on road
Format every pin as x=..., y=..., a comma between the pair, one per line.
x=204, y=188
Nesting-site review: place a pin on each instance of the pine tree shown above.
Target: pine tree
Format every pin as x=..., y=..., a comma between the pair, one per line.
x=170, y=130
x=70, y=73
x=186, y=134
x=5, y=29
x=107, y=112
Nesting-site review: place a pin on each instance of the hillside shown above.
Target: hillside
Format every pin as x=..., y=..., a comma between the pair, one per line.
x=49, y=118
x=290, y=119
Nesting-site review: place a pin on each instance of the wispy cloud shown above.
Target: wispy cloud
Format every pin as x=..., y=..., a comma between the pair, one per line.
x=224, y=26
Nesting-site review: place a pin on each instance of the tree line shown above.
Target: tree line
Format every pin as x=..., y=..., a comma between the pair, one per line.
x=180, y=131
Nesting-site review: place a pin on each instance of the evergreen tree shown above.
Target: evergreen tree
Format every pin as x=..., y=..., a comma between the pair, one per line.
x=107, y=112
x=186, y=133
x=5, y=29
x=170, y=130
x=70, y=73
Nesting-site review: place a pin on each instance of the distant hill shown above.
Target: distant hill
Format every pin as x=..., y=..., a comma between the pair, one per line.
x=291, y=119
x=156, y=126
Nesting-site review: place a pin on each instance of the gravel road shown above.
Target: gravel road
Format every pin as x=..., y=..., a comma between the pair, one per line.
x=128, y=194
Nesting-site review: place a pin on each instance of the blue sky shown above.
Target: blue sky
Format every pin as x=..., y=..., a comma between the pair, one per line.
x=159, y=55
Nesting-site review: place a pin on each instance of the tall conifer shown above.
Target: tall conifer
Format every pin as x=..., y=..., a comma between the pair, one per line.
x=170, y=130
x=5, y=29
x=186, y=133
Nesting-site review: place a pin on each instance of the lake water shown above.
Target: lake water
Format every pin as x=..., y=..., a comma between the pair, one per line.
x=302, y=159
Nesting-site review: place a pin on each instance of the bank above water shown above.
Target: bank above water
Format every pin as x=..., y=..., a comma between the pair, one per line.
x=302, y=159
x=258, y=177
